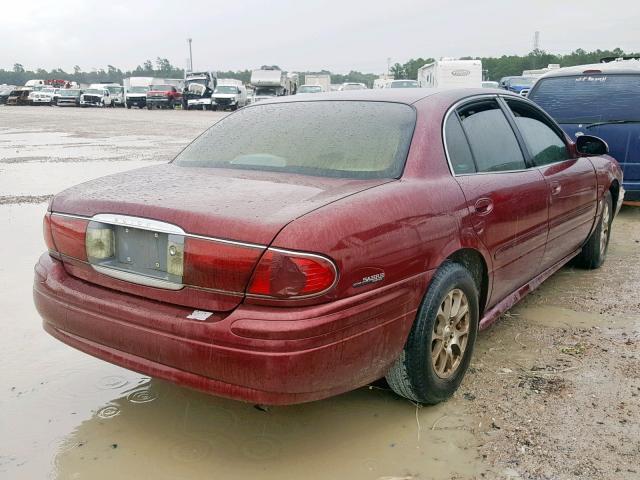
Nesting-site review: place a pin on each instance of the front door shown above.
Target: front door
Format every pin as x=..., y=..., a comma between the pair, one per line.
x=571, y=182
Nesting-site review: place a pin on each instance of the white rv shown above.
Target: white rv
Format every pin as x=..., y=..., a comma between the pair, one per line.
x=541, y=71
x=451, y=73
x=268, y=83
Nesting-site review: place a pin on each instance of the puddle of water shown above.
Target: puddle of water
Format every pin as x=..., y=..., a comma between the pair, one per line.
x=73, y=416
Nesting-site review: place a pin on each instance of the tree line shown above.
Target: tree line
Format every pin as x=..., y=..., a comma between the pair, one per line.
x=494, y=68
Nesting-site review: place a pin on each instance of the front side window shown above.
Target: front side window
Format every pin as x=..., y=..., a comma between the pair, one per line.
x=345, y=139
x=493, y=143
x=543, y=143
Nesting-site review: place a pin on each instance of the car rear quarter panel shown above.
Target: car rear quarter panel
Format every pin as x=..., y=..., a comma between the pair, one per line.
x=403, y=228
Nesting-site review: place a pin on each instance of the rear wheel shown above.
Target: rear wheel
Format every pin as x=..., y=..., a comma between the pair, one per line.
x=595, y=250
x=440, y=344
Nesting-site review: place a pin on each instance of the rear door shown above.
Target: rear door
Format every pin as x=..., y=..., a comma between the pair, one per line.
x=507, y=201
x=571, y=182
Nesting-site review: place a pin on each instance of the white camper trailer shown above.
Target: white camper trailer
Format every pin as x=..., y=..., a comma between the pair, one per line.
x=451, y=73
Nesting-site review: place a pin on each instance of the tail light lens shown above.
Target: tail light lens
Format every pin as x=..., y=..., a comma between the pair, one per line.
x=67, y=235
x=221, y=266
x=48, y=236
x=285, y=274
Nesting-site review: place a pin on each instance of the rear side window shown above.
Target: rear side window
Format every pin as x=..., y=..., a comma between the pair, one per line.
x=493, y=143
x=458, y=147
x=347, y=139
x=589, y=98
x=543, y=143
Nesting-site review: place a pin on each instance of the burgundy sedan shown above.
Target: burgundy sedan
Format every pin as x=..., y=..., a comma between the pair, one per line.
x=305, y=247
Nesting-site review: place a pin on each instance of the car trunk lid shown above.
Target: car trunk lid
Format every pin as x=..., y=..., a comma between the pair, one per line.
x=220, y=221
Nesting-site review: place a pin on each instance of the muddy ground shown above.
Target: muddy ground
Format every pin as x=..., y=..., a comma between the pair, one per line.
x=553, y=391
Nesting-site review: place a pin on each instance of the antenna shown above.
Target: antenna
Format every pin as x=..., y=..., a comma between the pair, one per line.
x=536, y=41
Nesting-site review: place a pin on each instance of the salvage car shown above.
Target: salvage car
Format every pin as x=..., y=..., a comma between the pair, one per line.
x=19, y=96
x=136, y=96
x=5, y=93
x=277, y=267
x=69, y=97
x=44, y=96
x=163, y=96
x=96, y=97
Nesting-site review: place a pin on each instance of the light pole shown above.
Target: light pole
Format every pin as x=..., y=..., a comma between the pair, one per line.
x=190, y=56
x=388, y=66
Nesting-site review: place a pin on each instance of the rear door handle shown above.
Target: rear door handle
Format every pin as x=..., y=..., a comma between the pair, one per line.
x=484, y=206
x=555, y=188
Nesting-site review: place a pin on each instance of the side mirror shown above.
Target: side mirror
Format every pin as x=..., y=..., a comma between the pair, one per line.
x=590, y=145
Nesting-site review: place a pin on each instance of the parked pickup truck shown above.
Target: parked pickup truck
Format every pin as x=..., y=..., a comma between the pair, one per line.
x=69, y=96
x=96, y=97
x=163, y=96
x=136, y=96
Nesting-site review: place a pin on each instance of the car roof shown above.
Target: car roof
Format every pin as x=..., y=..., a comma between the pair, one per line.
x=407, y=96
x=622, y=66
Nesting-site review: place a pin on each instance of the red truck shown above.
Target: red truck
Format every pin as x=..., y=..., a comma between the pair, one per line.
x=163, y=96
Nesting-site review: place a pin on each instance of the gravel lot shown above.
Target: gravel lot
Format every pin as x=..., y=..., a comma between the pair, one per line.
x=553, y=391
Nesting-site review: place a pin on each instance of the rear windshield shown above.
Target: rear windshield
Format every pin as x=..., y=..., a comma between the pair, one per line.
x=589, y=98
x=347, y=139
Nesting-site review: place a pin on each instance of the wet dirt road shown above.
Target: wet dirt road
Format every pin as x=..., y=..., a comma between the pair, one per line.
x=553, y=392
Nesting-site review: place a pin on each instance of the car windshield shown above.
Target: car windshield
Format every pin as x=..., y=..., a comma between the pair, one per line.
x=310, y=89
x=352, y=86
x=160, y=88
x=521, y=81
x=226, y=89
x=138, y=89
x=346, y=139
x=69, y=93
x=589, y=98
x=404, y=84
x=113, y=88
x=199, y=81
x=94, y=91
x=269, y=91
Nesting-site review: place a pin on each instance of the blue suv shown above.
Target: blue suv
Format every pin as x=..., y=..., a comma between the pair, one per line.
x=602, y=100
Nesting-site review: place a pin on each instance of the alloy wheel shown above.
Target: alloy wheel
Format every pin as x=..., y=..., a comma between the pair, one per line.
x=450, y=333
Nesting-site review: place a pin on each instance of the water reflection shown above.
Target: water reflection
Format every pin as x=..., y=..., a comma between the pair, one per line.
x=158, y=430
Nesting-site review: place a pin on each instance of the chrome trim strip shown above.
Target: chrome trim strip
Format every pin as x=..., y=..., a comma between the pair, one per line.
x=137, y=278
x=137, y=222
x=163, y=227
x=298, y=254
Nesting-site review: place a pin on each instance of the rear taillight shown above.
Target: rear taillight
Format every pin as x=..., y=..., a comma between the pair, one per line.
x=218, y=265
x=46, y=231
x=67, y=235
x=287, y=274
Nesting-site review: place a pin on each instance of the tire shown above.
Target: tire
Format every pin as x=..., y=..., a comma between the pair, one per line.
x=149, y=107
x=594, y=251
x=128, y=106
x=414, y=374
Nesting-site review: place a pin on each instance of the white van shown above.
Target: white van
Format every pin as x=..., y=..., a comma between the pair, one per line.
x=451, y=73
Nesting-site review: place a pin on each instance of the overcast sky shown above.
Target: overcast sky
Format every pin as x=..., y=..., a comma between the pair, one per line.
x=302, y=35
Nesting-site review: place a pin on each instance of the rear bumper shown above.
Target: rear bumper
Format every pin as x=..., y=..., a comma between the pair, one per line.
x=263, y=355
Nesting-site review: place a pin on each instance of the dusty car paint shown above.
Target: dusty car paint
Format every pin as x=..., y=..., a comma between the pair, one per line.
x=289, y=351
